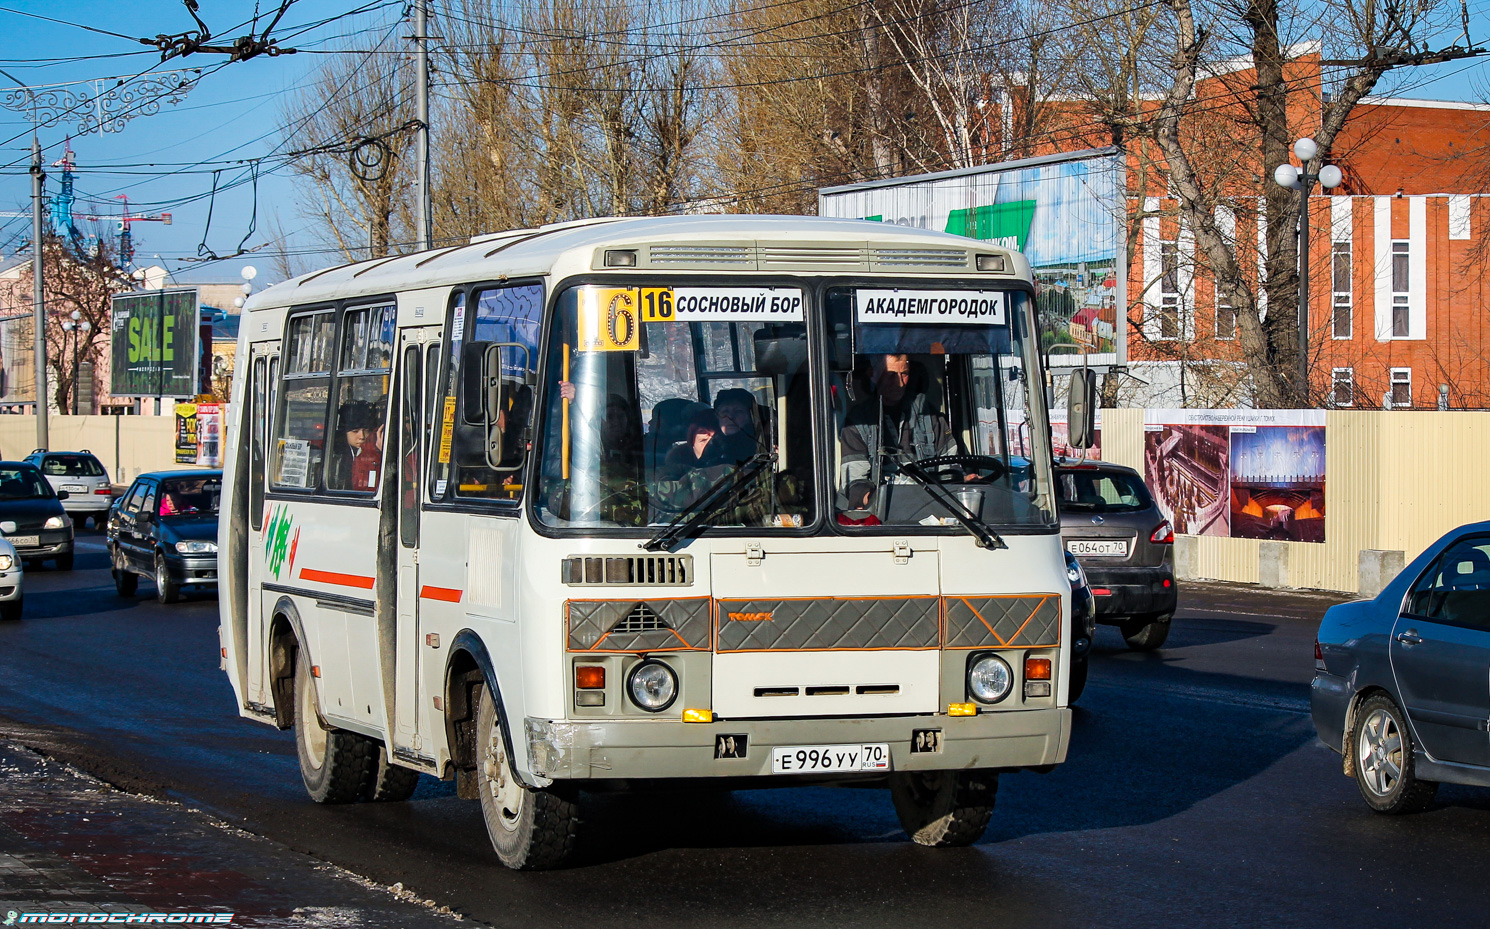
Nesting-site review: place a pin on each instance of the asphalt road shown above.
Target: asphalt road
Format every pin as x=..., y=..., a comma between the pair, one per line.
x=1195, y=795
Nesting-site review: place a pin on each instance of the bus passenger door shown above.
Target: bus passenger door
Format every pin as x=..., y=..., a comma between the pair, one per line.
x=263, y=368
x=412, y=393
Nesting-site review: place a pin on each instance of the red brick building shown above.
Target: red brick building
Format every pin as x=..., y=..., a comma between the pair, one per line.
x=1398, y=297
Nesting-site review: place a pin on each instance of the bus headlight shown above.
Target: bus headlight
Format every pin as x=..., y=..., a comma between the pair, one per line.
x=653, y=686
x=989, y=679
x=196, y=548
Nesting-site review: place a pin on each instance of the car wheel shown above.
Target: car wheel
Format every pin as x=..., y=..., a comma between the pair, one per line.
x=11, y=610
x=1146, y=633
x=944, y=809
x=531, y=829
x=1383, y=760
x=336, y=765
x=389, y=781
x=125, y=581
x=1077, y=684
x=64, y=562
x=166, y=590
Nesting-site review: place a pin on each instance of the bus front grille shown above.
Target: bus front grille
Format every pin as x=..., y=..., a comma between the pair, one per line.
x=628, y=570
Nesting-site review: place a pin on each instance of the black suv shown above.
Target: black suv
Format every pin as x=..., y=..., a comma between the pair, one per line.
x=1110, y=522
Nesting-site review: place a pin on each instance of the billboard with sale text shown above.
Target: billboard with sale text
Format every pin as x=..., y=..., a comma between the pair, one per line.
x=154, y=347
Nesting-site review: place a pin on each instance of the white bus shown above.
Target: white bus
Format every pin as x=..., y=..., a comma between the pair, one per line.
x=691, y=501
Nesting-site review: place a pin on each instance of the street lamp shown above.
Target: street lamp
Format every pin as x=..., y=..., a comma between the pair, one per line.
x=77, y=327
x=1286, y=175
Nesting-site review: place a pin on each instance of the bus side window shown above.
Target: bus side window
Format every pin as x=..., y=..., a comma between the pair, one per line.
x=361, y=404
x=512, y=317
x=408, y=452
x=256, y=430
x=300, y=432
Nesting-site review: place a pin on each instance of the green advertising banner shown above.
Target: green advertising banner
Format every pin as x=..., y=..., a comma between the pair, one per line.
x=153, y=344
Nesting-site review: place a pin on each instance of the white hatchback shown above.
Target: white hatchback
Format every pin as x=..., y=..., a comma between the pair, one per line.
x=86, y=480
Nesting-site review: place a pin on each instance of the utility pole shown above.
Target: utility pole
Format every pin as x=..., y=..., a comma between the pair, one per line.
x=424, y=220
x=38, y=197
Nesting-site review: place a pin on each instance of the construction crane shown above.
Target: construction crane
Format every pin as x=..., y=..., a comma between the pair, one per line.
x=64, y=219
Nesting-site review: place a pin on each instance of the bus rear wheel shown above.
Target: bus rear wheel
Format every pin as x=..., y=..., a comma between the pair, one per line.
x=944, y=809
x=531, y=829
x=389, y=781
x=337, y=766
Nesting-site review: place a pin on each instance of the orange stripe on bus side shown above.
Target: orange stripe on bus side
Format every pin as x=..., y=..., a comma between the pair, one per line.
x=332, y=577
x=440, y=593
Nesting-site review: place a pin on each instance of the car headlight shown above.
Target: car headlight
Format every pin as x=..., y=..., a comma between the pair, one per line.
x=54, y=522
x=1075, y=573
x=196, y=548
x=6, y=562
x=989, y=679
x=653, y=686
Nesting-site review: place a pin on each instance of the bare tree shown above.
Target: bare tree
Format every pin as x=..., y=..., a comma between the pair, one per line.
x=1260, y=120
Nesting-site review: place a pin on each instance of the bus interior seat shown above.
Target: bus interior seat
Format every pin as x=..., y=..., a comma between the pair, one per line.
x=668, y=427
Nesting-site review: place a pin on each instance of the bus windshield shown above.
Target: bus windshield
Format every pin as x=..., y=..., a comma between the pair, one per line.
x=933, y=409
x=658, y=396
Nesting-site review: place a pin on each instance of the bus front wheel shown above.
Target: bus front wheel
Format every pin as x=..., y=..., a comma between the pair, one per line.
x=531, y=829
x=944, y=809
x=337, y=766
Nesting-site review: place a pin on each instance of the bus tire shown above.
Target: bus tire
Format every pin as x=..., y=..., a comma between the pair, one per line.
x=944, y=809
x=531, y=829
x=336, y=766
x=391, y=783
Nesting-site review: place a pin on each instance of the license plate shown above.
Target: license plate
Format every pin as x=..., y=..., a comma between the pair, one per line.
x=75, y=488
x=1118, y=547
x=24, y=541
x=813, y=759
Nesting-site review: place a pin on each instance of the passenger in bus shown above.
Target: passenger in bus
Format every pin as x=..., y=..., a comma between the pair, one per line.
x=698, y=449
x=740, y=434
x=354, y=461
x=897, y=420
x=369, y=457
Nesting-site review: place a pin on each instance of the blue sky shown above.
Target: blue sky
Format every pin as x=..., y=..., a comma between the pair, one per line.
x=164, y=162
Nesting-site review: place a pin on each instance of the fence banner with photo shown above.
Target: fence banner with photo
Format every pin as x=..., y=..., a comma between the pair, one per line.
x=209, y=435
x=1066, y=213
x=1241, y=474
x=154, y=344
x=18, y=359
x=186, y=433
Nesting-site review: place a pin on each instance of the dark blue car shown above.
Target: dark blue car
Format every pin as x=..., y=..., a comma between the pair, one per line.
x=1402, y=682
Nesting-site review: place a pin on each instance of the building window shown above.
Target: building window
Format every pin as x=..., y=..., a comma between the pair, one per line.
x=1342, y=383
x=1225, y=316
x=1342, y=290
x=1400, y=281
x=1400, y=395
x=1169, y=290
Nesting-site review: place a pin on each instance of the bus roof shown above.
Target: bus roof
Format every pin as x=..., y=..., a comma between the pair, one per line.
x=723, y=242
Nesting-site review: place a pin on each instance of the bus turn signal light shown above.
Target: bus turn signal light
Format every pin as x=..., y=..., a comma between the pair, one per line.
x=1037, y=669
x=589, y=677
x=962, y=709
x=698, y=716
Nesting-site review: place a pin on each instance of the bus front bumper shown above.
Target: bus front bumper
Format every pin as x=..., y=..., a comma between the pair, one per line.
x=649, y=748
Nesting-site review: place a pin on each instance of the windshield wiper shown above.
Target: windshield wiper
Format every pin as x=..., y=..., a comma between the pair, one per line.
x=971, y=521
x=723, y=491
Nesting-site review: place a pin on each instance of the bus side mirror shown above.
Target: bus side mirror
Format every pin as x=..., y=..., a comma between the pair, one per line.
x=1081, y=409
x=491, y=383
x=502, y=360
